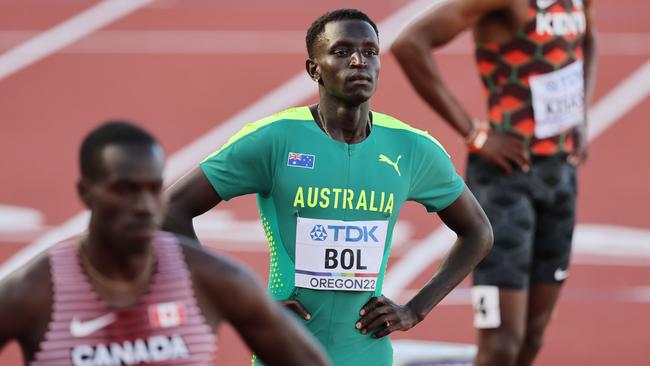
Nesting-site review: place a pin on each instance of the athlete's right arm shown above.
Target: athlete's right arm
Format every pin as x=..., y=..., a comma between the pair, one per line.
x=269, y=330
x=412, y=48
x=189, y=197
x=241, y=166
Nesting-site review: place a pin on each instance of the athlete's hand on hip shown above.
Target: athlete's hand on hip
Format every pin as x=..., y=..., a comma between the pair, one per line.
x=383, y=316
x=505, y=150
x=579, y=154
x=296, y=307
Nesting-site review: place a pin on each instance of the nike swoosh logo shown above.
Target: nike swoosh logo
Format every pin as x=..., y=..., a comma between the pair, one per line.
x=543, y=4
x=561, y=275
x=82, y=329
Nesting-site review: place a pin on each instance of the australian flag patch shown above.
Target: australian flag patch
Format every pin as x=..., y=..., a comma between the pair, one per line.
x=301, y=160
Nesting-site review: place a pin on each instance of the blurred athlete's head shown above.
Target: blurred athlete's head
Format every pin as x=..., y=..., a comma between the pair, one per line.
x=343, y=48
x=121, y=183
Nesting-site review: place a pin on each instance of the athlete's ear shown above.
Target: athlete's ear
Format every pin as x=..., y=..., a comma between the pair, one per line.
x=312, y=70
x=83, y=190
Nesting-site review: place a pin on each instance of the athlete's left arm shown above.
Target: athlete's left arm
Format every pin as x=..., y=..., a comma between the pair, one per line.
x=467, y=219
x=579, y=154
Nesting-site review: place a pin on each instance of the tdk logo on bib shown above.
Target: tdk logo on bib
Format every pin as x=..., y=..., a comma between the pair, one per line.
x=348, y=233
x=318, y=233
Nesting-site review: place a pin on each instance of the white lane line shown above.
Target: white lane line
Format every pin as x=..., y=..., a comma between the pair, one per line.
x=247, y=42
x=633, y=294
x=72, y=226
x=594, y=244
x=418, y=352
x=625, y=96
x=609, y=109
x=66, y=33
x=612, y=241
x=19, y=219
x=294, y=91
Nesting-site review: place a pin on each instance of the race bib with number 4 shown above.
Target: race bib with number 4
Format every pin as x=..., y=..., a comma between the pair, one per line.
x=558, y=100
x=339, y=255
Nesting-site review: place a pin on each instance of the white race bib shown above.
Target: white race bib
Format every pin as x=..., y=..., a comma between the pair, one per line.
x=339, y=255
x=558, y=100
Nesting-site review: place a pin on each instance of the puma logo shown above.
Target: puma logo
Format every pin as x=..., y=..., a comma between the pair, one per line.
x=385, y=159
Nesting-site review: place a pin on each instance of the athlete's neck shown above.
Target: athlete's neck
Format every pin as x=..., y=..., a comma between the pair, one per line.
x=345, y=123
x=116, y=265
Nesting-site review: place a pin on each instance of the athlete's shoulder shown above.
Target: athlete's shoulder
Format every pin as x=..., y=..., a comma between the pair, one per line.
x=28, y=289
x=291, y=114
x=266, y=131
x=398, y=127
x=35, y=272
x=302, y=113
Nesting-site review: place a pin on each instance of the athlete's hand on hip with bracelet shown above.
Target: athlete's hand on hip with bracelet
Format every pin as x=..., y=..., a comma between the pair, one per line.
x=505, y=150
x=297, y=307
x=383, y=316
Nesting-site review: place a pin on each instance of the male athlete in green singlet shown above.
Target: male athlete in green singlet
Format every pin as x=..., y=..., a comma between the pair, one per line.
x=330, y=180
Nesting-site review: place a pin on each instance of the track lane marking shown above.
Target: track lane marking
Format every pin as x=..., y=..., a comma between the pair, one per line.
x=65, y=34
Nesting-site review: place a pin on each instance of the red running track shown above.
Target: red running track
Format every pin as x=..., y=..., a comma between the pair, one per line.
x=181, y=94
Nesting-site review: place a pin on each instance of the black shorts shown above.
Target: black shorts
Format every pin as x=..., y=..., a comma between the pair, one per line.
x=532, y=216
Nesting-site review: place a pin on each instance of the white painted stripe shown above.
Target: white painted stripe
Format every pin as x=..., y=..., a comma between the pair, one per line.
x=294, y=91
x=599, y=245
x=227, y=42
x=638, y=294
x=612, y=241
x=609, y=109
x=418, y=352
x=417, y=259
x=218, y=42
x=15, y=218
x=604, y=260
x=66, y=33
x=71, y=227
x=625, y=96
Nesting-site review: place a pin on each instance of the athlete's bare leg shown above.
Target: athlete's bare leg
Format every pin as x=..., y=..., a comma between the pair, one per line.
x=541, y=302
x=501, y=346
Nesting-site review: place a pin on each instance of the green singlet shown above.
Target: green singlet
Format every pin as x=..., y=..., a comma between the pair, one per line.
x=328, y=210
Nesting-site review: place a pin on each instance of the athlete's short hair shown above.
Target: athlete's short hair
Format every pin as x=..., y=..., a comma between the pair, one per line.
x=118, y=132
x=318, y=26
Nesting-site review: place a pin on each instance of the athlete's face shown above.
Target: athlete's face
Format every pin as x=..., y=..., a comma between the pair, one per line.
x=126, y=201
x=346, y=61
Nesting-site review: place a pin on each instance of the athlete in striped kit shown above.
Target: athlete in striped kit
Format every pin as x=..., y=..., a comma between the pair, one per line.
x=126, y=293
